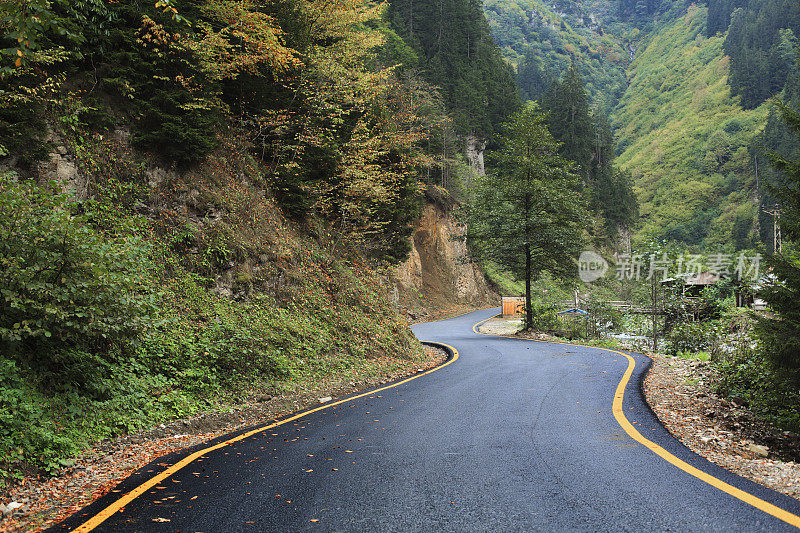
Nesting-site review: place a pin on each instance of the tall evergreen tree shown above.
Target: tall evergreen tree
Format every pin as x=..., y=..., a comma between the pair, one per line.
x=525, y=217
x=588, y=141
x=570, y=119
x=781, y=332
x=532, y=78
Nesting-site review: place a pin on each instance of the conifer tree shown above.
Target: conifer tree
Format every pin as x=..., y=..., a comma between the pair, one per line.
x=570, y=119
x=526, y=216
x=781, y=331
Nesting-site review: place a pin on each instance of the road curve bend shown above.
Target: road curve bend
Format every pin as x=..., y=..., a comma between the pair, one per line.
x=513, y=436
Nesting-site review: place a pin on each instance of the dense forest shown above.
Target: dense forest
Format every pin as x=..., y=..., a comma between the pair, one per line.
x=455, y=52
x=665, y=72
x=761, y=42
x=543, y=43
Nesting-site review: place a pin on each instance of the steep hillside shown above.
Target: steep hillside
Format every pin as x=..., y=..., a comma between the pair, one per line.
x=195, y=291
x=542, y=40
x=687, y=139
x=438, y=275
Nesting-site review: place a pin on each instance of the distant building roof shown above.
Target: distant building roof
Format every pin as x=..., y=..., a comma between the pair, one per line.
x=701, y=279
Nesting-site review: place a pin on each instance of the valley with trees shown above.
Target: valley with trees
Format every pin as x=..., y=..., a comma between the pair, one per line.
x=210, y=203
x=682, y=124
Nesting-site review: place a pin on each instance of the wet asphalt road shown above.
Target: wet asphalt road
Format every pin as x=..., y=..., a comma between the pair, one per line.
x=513, y=436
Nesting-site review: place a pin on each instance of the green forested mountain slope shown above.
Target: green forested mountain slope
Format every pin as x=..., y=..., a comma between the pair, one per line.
x=687, y=88
x=456, y=53
x=761, y=42
x=542, y=38
x=542, y=41
x=687, y=140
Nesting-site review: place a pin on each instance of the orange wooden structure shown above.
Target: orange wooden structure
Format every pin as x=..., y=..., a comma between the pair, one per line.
x=513, y=306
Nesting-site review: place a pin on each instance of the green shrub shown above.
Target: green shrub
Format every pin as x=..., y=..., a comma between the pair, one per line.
x=702, y=356
x=770, y=391
x=572, y=328
x=63, y=284
x=545, y=317
x=689, y=337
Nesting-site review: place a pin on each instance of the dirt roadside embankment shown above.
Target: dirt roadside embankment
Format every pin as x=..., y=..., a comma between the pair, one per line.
x=98, y=470
x=439, y=279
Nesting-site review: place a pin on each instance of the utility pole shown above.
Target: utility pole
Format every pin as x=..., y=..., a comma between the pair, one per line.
x=654, y=311
x=776, y=229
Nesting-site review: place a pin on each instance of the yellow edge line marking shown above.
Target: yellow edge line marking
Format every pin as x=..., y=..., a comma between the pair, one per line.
x=619, y=415
x=124, y=500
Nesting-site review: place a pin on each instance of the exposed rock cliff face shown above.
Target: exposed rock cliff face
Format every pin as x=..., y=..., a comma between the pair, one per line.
x=475, y=149
x=438, y=274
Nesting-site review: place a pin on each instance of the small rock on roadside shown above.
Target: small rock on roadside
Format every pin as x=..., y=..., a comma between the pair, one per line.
x=761, y=451
x=10, y=508
x=325, y=399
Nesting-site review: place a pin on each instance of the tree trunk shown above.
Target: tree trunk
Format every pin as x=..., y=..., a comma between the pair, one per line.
x=528, y=273
x=528, y=306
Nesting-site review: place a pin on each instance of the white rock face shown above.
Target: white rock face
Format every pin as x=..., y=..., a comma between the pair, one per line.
x=62, y=169
x=475, y=149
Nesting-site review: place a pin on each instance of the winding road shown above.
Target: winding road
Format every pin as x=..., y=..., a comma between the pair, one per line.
x=512, y=435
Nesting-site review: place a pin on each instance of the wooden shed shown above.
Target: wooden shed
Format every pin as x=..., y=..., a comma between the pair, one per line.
x=513, y=306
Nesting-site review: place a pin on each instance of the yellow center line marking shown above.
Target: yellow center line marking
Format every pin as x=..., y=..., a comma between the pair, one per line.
x=124, y=500
x=619, y=415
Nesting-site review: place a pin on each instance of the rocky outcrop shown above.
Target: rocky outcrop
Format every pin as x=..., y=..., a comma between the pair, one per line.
x=475, y=149
x=62, y=168
x=439, y=273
